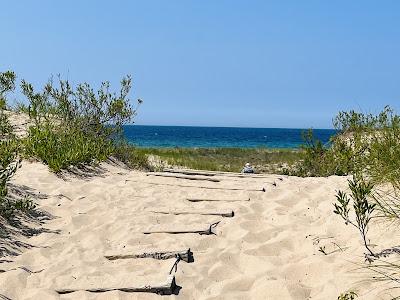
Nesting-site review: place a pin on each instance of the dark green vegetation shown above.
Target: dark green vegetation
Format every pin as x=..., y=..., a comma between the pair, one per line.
x=226, y=159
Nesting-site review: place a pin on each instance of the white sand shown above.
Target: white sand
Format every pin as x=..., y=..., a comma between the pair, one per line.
x=269, y=250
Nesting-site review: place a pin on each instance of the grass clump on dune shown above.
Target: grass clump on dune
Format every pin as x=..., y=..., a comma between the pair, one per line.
x=225, y=159
x=61, y=148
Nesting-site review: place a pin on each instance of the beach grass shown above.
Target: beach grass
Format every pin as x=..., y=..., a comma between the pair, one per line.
x=226, y=159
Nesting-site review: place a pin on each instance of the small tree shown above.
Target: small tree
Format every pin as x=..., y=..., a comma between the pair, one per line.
x=360, y=191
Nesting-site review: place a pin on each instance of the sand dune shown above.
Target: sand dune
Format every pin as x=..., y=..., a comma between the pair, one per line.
x=268, y=250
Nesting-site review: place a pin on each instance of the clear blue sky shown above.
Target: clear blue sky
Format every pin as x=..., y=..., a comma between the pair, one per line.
x=216, y=62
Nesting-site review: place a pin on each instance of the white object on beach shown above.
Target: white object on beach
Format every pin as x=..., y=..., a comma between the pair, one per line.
x=247, y=168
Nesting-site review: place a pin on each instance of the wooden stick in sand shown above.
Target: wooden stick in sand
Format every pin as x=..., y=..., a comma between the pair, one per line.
x=185, y=255
x=229, y=214
x=166, y=288
x=205, y=199
x=189, y=172
x=184, y=177
x=216, y=173
x=198, y=187
x=207, y=231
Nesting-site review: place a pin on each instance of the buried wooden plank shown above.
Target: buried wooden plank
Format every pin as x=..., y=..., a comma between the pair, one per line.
x=207, y=231
x=198, y=187
x=206, y=199
x=228, y=214
x=185, y=255
x=189, y=172
x=216, y=173
x=22, y=268
x=166, y=288
x=184, y=177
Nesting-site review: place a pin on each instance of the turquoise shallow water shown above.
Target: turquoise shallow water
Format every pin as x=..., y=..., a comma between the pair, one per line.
x=218, y=137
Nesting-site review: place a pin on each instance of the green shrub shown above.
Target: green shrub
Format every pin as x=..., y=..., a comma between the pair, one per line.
x=313, y=157
x=365, y=145
x=98, y=112
x=75, y=126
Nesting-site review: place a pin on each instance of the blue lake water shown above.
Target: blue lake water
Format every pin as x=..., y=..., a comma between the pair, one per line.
x=218, y=137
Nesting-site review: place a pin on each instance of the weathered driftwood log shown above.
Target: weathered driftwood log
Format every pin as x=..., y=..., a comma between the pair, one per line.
x=185, y=255
x=22, y=268
x=184, y=177
x=214, y=173
x=166, y=288
x=205, y=199
x=198, y=187
x=207, y=231
x=189, y=172
x=228, y=214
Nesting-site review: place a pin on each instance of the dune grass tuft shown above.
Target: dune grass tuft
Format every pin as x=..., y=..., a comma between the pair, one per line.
x=225, y=159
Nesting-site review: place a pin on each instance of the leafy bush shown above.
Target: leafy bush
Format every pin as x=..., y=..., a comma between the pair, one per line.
x=313, y=156
x=101, y=113
x=77, y=126
x=365, y=145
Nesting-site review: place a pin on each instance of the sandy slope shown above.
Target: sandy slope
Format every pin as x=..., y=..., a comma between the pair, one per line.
x=269, y=250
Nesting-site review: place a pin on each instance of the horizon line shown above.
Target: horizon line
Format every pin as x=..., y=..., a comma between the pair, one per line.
x=211, y=126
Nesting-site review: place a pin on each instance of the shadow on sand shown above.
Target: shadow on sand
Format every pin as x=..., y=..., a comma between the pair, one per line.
x=15, y=230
